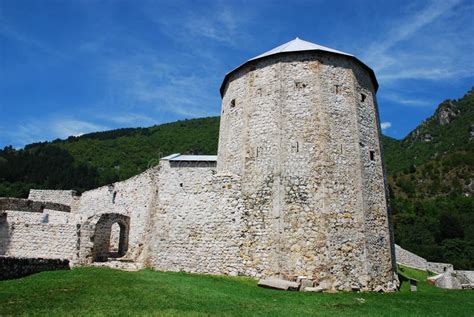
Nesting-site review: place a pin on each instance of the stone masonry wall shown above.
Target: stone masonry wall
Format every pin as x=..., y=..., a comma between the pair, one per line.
x=66, y=197
x=439, y=268
x=410, y=259
x=196, y=222
x=133, y=197
x=37, y=240
x=377, y=227
x=294, y=128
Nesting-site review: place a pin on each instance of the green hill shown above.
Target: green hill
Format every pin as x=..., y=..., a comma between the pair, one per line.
x=431, y=171
x=100, y=158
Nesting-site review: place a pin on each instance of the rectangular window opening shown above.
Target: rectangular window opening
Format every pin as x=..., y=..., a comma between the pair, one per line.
x=372, y=155
x=362, y=97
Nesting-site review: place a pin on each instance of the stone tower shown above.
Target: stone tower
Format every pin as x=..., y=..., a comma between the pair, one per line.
x=300, y=128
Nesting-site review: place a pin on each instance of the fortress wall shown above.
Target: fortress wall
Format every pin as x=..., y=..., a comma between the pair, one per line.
x=37, y=240
x=439, y=268
x=15, y=216
x=197, y=222
x=57, y=217
x=379, y=244
x=132, y=197
x=48, y=216
x=65, y=197
x=293, y=138
x=44, y=234
x=339, y=183
x=410, y=259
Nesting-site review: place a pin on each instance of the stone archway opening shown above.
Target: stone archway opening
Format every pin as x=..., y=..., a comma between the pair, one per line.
x=110, y=237
x=118, y=242
x=114, y=239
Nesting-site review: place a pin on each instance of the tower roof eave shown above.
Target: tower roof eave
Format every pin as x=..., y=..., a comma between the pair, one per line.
x=298, y=45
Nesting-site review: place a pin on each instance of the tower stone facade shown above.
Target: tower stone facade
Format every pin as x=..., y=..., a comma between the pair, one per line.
x=300, y=126
x=297, y=188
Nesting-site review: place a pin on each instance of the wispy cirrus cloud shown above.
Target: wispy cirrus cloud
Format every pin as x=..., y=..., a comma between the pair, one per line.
x=405, y=100
x=128, y=119
x=37, y=130
x=425, y=44
x=64, y=127
x=216, y=21
x=30, y=42
x=147, y=82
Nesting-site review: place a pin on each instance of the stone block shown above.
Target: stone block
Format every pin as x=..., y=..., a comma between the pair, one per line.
x=306, y=283
x=325, y=284
x=316, y=289
x=278, y=284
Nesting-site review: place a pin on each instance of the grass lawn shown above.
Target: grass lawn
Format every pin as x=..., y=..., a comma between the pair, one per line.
x=100, y=291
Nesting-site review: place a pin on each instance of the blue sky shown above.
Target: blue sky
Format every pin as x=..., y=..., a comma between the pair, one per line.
x=78, y=66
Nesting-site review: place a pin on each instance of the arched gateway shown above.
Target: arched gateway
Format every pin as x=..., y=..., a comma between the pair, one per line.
x=100, y=232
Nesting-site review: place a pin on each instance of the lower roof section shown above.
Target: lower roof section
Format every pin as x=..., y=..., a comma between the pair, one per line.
x=190, y=158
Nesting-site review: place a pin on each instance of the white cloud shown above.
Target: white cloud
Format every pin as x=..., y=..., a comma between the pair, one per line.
x=44, y=129
x=385, y=125
x=406, y=101
x=216, y=21
x=65, y=127
x=429, y=44
x=147, y=82
x=31, y=42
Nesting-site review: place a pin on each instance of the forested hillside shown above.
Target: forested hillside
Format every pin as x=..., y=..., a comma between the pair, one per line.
x=431, y=178
x=431, y=172
x=100, y=158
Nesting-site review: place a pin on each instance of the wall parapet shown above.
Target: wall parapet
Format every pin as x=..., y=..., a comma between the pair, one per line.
x=21, y=204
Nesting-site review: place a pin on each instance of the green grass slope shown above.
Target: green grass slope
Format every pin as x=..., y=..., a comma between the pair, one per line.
x=99, y=292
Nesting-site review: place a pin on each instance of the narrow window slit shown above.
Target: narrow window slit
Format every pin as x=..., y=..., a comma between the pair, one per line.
x=362, y=97
x=372, y=155
x=232, y=103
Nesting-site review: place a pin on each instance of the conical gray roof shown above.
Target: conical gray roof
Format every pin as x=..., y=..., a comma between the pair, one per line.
x=298, y=45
